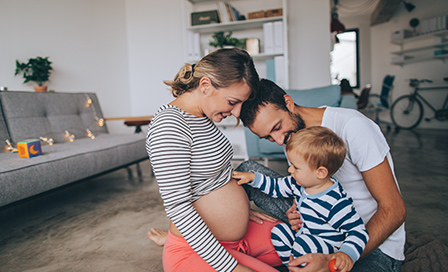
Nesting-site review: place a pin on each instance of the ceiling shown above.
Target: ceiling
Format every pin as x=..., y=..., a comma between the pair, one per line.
x=379, y=10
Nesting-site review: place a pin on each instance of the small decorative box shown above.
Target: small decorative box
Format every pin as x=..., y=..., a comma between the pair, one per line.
x=29, y=148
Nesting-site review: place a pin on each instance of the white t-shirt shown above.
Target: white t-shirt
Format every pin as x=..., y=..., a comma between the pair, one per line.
x=366, y=148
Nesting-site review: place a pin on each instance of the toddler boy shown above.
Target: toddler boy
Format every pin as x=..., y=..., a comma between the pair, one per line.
x=330, y=224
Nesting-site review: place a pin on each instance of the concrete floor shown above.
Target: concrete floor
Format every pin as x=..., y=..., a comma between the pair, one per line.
x=101, y=224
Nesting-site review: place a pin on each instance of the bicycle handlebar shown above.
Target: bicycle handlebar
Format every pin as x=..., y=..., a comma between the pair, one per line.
x=414, y=82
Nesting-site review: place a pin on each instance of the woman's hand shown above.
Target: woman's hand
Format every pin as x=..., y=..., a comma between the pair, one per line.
x=294, y=217
x=258, y=217
x=243, y=177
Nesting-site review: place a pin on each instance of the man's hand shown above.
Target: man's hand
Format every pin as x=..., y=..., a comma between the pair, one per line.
x=315, y=262
x=243, y=177
x=294, y=217
x=259, y=217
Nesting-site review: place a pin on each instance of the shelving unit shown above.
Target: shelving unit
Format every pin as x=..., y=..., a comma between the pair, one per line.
x=427, y=51
x=240, y=29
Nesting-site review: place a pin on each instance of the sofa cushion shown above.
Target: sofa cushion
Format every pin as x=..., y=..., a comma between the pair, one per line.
x=4, y=135
x=32, y=115
x=62, y=164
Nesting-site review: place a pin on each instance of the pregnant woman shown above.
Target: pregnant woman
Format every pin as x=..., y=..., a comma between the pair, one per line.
x=209, y=213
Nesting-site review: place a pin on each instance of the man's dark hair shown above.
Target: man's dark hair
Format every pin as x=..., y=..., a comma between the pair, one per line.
x=267, y=92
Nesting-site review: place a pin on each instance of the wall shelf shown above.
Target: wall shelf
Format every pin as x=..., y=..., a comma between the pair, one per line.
x=421, y=37
x=444, y=44
x=419, y=52
x=232, y=26
x=440, y=57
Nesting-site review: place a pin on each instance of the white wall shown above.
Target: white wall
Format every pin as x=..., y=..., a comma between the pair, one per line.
x=124, y=49
x=309, y=43
x=375, y=57
x=365, y=62
x=381, y=48
x=85, y=40
x=155, y=42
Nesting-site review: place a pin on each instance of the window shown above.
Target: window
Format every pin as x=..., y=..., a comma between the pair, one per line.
x=344, y=61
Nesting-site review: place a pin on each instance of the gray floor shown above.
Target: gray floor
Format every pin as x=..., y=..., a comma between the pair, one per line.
x=101, y=224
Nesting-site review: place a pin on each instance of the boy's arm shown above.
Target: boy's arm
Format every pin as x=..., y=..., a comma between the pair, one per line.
x=344, y=217
x=243, y=177
x=275, y=187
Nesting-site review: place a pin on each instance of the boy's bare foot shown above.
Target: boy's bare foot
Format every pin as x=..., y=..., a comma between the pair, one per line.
x=158, y=236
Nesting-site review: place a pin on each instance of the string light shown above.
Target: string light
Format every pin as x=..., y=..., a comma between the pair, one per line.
x=71, y=137
x=10, y=147
x=100, y=121
x=89, y=102
x=49, y=141
x=90, y=134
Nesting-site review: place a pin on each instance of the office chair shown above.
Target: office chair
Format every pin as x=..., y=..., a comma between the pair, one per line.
x=363, y=98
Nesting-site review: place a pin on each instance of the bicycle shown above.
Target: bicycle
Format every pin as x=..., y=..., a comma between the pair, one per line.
x=407, y=111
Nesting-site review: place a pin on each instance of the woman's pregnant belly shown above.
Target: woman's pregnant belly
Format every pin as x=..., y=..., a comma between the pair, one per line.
x=225, y=211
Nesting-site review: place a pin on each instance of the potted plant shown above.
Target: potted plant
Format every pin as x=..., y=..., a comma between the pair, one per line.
x=37, y=69
x=221, y=40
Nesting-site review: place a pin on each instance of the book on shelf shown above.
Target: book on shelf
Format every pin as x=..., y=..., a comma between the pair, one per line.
x=222, y=10
x=227, y=12
x=268, y=35
x=435, y=24
x=273, y=37
x=278, y=37
x=193, y=46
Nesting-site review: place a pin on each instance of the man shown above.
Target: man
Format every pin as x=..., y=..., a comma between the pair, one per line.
x=366, y=175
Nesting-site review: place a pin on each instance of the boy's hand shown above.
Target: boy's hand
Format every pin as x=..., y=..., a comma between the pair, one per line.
x=243, y=177
x=294, y=217
x=343, y=262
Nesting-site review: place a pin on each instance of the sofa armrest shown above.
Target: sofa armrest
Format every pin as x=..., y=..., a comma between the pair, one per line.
x=316, y=97
x=262, y=148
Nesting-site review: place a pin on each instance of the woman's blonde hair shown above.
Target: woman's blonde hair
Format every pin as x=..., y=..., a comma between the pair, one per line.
x=224, y=67
x=319, y=146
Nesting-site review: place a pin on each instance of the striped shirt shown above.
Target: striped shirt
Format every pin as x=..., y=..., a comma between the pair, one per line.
x=190, y=158
x=329, y=214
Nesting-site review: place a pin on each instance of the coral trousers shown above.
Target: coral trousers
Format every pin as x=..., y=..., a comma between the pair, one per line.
x=255, y=251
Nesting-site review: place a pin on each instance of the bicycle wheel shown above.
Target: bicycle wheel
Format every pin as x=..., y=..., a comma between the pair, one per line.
x=406, y=112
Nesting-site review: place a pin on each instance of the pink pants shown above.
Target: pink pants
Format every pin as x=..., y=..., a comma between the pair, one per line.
x=255, y=251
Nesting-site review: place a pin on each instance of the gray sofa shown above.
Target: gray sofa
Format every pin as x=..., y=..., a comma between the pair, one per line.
x=30, y=115
x=329, y=96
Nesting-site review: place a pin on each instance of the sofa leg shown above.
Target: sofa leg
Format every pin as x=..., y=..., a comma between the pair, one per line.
x=130, y=175
x=139, y=171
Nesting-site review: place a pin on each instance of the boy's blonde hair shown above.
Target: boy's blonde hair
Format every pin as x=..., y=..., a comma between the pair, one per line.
x=319, y=146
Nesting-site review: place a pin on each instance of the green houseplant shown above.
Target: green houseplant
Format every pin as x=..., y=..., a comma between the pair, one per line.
x=221, y=39
x=36, y=69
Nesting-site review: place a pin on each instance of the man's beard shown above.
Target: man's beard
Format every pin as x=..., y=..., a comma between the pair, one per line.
x=298, y=125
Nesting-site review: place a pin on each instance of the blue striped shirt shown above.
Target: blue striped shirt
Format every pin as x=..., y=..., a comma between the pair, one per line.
x=329, y=214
